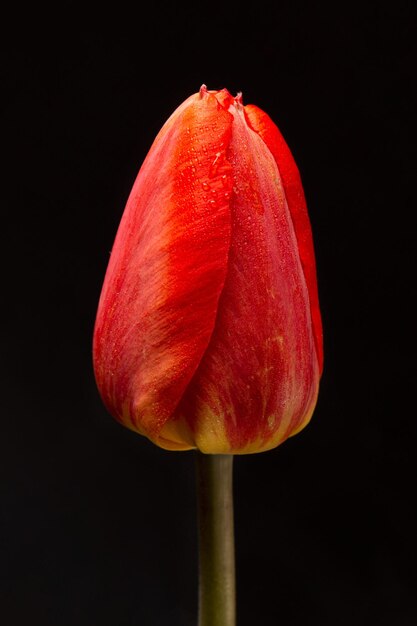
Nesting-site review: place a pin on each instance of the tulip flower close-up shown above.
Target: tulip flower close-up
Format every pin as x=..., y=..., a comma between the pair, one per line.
x=207, y=269
x=208, y=332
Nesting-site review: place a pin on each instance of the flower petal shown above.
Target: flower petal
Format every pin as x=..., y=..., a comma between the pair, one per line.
x=167, y=269
x=261, y=123
x=257, y=383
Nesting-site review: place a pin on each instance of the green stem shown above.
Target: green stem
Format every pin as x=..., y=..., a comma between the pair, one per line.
x=217, y=596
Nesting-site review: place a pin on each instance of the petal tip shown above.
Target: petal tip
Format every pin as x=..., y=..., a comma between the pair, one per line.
x=239, y=100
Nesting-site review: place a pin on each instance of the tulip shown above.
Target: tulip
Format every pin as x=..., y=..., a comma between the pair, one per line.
x=208, y=332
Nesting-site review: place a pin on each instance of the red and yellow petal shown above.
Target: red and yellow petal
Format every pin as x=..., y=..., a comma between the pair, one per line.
x=257, y=382
x=294, y=193
x=167, y=269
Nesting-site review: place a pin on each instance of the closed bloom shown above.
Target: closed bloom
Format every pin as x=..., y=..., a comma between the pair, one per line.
x=208, y=332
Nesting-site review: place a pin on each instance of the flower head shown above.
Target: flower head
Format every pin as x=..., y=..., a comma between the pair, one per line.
x=208, y=331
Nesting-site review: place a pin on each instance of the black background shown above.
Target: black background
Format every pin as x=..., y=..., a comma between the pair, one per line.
x=98, y=524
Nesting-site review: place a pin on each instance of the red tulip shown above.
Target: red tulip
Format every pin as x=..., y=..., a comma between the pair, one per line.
x=208, y=332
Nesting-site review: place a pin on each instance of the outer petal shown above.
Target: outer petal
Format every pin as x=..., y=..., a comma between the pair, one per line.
x=294, y=193
x=166, y=272
x=257, y=383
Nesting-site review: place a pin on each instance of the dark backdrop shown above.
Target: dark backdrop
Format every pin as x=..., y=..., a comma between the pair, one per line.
x=98, y=525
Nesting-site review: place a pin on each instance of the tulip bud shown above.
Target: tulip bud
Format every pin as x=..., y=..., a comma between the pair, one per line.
x=208, y=332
